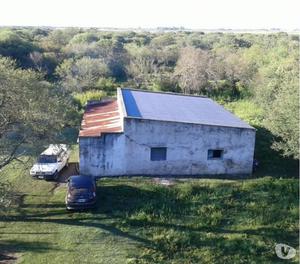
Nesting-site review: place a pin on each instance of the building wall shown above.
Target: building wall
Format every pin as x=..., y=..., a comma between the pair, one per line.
x=101, y=156
x=187, y=146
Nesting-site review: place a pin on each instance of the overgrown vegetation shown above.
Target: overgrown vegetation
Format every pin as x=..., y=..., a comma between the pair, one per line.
x=83, y=98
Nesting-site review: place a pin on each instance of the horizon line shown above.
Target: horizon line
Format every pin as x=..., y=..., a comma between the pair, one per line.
x=174, y=28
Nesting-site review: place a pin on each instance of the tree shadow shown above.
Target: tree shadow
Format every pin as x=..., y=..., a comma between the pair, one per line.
x=271, y=162
x=27, y=233
x=129, y=211
x=113, y=203
x=160, y=207
x=121, y=199
x=45, y=206
x=269, y=232
x=82, y=222
x=11, y=247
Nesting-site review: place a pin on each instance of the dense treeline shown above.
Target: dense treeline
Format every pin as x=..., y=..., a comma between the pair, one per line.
x=89, y=64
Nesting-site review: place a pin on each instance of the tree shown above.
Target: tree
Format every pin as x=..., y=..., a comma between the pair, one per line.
x=85, y=37
x=149, y=65
x=283, y=119
x=57, y=39
x=235, y=69
x=79, y=50
x=12, y=44
x=141, y=65
x=118, y=59
x=277, y=92
x=109, y=50
x=32, y=112
x=163, y=40
x=193, y=70
x=83, y=74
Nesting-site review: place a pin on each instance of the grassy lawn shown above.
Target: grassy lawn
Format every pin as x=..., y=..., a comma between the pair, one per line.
x=140, y=221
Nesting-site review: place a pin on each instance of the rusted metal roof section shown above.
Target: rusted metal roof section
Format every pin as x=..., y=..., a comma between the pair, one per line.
x=101, y=117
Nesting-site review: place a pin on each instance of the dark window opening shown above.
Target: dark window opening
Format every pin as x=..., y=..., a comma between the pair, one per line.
x=158, y=154
x=215, y=154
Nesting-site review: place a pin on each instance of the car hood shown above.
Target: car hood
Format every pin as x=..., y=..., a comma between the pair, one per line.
x=47, y=167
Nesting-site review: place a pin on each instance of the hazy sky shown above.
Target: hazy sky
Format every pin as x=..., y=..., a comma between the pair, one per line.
x=208, y=14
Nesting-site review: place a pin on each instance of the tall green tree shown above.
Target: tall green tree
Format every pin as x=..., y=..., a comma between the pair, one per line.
x=14, y=45
x=82, y=74
x=283, y=119
x=32, y=112
x=277, y=92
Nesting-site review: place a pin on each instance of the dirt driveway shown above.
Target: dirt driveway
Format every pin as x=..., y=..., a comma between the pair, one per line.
x=72, y=169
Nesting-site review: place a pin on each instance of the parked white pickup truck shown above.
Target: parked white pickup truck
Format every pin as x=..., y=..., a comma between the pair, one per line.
x=51, y=162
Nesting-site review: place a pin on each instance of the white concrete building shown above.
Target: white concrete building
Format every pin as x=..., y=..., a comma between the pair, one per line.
x=155, y=133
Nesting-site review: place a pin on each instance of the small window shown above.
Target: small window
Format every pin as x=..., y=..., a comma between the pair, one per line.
x=158, y=154
x=215, y=154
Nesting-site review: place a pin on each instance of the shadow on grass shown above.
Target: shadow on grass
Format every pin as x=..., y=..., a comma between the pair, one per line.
x=270, y=232
x=271, y=162
x=27, y=233
x=109, y=207
x=89, y=218
x=11, y=247
x=169, y=221
x=81, y=222
x=45, y=206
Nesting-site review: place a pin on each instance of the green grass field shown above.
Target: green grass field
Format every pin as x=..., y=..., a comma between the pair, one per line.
x=140, y=221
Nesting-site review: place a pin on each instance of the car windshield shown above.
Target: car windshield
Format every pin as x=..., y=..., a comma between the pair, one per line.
x=81, y=185
x=47, y=159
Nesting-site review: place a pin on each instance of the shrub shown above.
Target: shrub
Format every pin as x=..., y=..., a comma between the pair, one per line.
x=247, y=111
x=107, y=84
x=82, y=98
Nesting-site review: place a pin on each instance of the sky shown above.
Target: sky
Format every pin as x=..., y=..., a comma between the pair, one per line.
x=192, y=14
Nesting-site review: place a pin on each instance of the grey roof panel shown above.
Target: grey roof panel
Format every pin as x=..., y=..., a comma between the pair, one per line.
x=178, y=108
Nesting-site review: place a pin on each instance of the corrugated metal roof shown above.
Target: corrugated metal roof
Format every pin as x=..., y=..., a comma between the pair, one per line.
x=178, y=108
x=101, y=117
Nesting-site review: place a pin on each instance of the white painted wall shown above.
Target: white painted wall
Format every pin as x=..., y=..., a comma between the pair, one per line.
x=128, y=153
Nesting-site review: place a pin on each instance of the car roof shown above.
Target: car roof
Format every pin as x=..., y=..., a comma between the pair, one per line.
x=81, y=179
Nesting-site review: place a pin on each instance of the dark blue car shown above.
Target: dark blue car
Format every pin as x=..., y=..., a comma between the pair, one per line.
x=81, y=192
